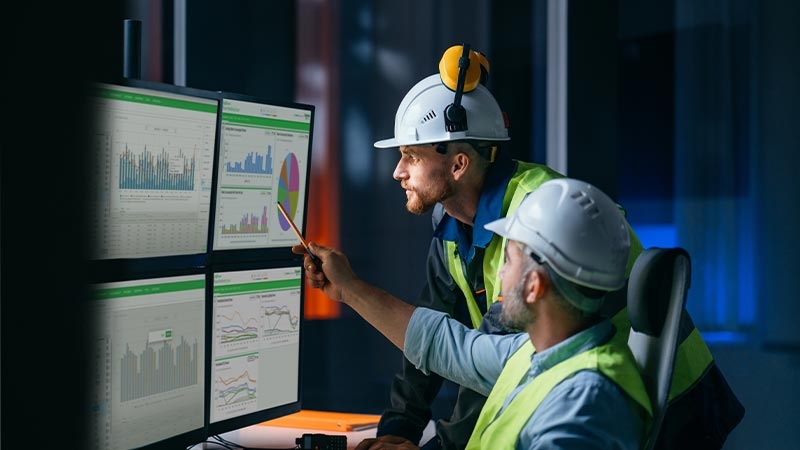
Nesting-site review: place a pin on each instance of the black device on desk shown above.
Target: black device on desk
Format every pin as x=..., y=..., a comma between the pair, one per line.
x=318, y=441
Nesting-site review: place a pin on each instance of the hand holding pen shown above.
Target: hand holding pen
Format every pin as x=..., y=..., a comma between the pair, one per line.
x=314, y=258
x=334, y=276
x=338, y=271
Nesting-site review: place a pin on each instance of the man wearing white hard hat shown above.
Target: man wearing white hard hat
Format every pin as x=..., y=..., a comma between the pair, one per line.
x=449, y=130
x=562, y=382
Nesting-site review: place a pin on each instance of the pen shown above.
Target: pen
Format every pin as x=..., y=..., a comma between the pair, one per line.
x=299, y=236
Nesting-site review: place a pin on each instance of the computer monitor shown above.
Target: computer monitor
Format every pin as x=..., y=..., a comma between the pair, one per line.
x=255, y=365
x=149, y=362
x=153, y=147
x=264, y=159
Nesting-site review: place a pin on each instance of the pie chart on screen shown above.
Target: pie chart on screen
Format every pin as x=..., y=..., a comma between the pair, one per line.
x=288, y=188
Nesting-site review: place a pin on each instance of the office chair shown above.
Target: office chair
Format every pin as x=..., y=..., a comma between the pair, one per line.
x=657, y=288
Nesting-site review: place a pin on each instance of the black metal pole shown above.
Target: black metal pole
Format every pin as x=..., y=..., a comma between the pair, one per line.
x=132, y=49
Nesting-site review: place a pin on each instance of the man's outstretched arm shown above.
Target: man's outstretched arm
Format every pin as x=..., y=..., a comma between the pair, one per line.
x=385, y=312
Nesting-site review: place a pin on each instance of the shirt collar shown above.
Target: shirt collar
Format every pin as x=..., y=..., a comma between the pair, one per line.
x=578, y=343
x=490, y=206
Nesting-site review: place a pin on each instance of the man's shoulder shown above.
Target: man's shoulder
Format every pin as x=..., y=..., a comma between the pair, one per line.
x=527, y=168
x=527, y=177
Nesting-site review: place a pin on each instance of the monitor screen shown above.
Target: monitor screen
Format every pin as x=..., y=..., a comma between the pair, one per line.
x=264, y=159
x=149, y=386
x=256, y=315
x=152, y=171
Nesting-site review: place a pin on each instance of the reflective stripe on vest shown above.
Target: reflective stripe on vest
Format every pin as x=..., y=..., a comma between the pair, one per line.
x=501, y=431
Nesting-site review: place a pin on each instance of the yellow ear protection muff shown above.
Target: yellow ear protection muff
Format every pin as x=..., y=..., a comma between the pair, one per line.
x=477, y=70
x=461, y=69
x=455, y=116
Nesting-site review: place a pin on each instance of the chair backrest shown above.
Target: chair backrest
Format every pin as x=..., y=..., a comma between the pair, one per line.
x=657, y=289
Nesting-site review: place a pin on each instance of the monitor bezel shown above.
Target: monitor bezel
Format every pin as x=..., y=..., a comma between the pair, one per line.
x=256, y=417
x=145, y=264
x=225, y=256
x=191, y=437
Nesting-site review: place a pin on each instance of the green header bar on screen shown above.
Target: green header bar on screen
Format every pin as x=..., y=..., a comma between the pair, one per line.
x=243, y=288
x=146, y=99
x=148, y=289
x=265, y=122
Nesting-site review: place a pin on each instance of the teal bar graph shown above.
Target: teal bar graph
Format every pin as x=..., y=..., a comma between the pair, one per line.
x=164, y=171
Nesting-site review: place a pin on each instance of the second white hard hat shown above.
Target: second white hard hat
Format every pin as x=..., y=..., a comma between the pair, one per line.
x=576, y=229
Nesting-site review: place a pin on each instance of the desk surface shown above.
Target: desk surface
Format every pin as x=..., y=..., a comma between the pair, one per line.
x=264, y=436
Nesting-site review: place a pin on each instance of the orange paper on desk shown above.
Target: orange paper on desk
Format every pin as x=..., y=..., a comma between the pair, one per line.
x=326, y=420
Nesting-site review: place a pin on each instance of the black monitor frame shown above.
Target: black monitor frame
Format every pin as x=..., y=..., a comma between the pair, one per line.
x=223, y=426
x=260, y=253
x=185, y=438
x=166, y=262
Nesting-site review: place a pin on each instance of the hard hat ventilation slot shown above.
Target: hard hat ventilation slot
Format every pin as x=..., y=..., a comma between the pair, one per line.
x=428, y=117
x=587, y=203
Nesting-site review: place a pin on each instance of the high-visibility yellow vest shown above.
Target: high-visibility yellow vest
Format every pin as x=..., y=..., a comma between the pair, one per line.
x=494, y=431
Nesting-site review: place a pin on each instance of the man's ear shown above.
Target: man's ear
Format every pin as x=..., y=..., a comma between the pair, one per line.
x=460, y=164
x=536, y=285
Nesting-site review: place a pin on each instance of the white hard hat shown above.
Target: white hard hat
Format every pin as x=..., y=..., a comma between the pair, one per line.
x=420, y=119
x=576, y=229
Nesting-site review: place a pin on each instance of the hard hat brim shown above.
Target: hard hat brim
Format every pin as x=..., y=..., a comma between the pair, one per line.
x=498, y=227
x=394, y=142
x=387, y=143
x=450, y=137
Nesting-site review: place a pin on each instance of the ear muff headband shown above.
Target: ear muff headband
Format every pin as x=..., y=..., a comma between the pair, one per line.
x=484, y=63
x=455, y=116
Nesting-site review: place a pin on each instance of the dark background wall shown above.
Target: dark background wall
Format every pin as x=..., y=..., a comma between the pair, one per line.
x=245, y=46
x=48, y=53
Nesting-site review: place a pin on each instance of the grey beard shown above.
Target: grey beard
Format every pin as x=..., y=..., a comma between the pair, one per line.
x=515, y=316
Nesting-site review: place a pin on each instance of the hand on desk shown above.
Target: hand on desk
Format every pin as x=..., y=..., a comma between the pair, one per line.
x=386, y=443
